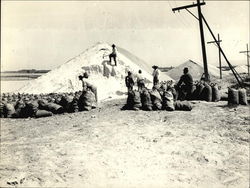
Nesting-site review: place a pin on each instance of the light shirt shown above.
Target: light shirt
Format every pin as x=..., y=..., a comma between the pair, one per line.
x=139, y=77
x=156, y=73
x=114, y=50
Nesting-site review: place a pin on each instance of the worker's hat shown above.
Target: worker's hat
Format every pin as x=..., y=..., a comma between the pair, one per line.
x=154, y=66
x=85, y=75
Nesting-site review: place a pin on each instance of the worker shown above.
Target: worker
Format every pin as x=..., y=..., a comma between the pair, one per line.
x=140, y=81
x=185, y=85
x=113, y=54
x=129, y=81
x=156, y=75
x=86, y=85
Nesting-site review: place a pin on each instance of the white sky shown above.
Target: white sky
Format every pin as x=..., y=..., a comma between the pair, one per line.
x=45, y=34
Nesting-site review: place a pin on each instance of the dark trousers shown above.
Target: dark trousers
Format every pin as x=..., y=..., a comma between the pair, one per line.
x=140, y=85
x=156, y=80
x=185, y=92
x=112, y=56
x=130, y=88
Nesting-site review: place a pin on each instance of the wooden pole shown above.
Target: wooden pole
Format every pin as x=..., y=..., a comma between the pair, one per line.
x=247, y=59
x=219, y=57
x=203, y=45
x=236, y=75
x=218, y=41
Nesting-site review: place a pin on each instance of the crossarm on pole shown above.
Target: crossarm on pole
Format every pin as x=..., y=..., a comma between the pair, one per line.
x=237, y=76
x=187, y=6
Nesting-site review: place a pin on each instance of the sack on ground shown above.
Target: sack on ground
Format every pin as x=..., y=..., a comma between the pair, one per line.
x=130, y=101
x=31, y=108
x=64, y=102
x=233, y=96
x=146, y=100
x=137, y=100
x=174, y=92
x=197, y=92
x=42, y=104
x=9, y=110
x=156, y=99
x=54, y=108
x=87, y=101
x=93, y=89
x=183, y=105
x=73, y=106
x=168, y=101
x=215, y=93
x=2, y=109
x=133, y=101
x=243, y=96
x=43, y=113
x=206, y=93
x=21, y=110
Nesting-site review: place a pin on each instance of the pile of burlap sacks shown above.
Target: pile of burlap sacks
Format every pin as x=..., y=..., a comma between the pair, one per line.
x=43, y=105
x=160, y=97
x=202, y=91
x=167, y=96
x=237, y=96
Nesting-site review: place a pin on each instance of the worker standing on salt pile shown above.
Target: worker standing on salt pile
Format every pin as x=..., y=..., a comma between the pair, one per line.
x=185, y=83
x=113, y=54
x=129, y=81
x=86, y=85
x=140, y=81
x=156, y=75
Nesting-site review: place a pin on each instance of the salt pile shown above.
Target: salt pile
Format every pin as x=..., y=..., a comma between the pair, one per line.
x=109, y=79
x=241, y=69
x=195, y=69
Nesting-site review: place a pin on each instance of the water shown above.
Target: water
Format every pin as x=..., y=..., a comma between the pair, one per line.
x=12, y=85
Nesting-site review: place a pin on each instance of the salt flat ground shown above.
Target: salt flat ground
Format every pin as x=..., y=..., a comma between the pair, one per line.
x=206, y=148
x=11, y=85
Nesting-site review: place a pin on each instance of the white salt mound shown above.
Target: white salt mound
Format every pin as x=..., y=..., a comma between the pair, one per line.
x=241, y=69
x=195, y=69
x=109, y=79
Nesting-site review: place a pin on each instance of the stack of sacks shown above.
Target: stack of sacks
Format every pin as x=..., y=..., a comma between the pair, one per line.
x=205, y=92
x=29, y=105
x=87, y=101
x=160, y=97
x=237, y=96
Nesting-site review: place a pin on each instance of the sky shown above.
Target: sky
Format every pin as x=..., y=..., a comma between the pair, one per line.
x=46, y=34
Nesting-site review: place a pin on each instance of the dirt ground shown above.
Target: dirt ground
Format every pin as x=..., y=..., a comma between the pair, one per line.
x=206, y=148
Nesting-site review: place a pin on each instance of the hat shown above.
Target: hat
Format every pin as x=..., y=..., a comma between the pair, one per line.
x=154, y=66
x=80, y=77
x=113, y=45
x=85, y=75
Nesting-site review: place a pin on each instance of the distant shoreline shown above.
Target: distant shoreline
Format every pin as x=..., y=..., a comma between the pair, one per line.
x=16, y=76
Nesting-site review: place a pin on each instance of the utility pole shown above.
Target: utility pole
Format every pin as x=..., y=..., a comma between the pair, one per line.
x=247, y=59
x=203, y=46
x=218, y=41
x=236, y=75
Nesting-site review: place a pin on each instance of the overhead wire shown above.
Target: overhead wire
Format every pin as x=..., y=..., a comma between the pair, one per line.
x=176, y=15
x=182, y=17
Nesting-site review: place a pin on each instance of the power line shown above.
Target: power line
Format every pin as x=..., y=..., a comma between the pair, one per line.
x=183, y=17
x=178, y=18
x=198, y=5
x=185, y=20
